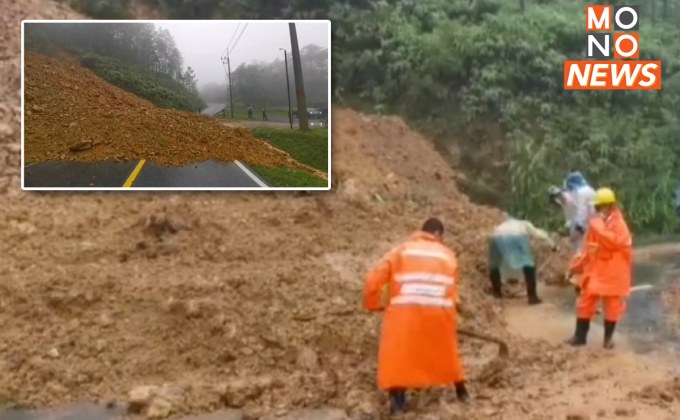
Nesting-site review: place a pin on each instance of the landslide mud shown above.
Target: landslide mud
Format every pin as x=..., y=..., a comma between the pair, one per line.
x=68, y=107
x=188, y=303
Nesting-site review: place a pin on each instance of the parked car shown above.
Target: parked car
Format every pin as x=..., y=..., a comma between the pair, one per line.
x=316, y=118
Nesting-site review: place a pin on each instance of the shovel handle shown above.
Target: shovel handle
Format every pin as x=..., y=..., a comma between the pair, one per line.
x=480, y=336
x=503, y=350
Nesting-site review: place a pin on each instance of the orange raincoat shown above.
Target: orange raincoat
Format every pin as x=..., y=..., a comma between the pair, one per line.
x=605, y=265
x=418, y=342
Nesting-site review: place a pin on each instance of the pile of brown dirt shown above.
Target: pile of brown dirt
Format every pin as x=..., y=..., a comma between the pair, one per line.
x=217, y=293
x=67, y=106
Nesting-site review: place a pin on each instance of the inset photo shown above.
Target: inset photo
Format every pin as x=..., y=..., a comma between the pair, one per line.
x=176, y=105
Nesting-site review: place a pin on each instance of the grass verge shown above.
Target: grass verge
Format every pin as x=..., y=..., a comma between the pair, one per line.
x=307, y=147
x=292, y=178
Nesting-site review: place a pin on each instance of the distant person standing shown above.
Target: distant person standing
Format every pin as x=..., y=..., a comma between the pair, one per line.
x=264, y=115
x=250, y=112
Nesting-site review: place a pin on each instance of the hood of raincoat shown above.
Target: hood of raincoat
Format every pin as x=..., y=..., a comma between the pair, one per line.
x=574, y=181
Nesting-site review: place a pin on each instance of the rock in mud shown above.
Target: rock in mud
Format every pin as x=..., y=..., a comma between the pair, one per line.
x=159, y=408
x=238, y=392
x=140, y=397
x=625, y=412
x=308, y=359
x=577, y=417
x=666, y=396
x=154, y=401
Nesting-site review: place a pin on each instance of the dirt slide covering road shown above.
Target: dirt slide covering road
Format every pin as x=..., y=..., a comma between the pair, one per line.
x=71, y=114
x=251, y=300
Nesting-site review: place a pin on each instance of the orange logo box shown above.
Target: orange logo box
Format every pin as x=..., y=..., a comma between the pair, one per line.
x=612, y=75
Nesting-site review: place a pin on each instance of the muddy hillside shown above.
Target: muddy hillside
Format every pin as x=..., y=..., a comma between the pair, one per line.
x=187, y=303
x=72, y=114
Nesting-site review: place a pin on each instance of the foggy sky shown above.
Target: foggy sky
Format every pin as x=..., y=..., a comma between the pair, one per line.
x=202, y=43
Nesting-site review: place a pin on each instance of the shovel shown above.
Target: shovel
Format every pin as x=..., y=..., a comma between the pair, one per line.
x=502, y=345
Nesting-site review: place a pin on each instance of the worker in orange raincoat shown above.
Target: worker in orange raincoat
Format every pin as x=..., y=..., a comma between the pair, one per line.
x=606, y=265
x=418, y=341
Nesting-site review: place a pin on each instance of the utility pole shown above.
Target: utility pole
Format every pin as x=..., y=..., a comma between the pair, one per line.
x=226, y=99
x=290, y=110
x=299, y=84
x=231, y=101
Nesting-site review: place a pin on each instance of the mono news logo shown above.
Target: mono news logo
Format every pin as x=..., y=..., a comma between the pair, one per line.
x=613, y=51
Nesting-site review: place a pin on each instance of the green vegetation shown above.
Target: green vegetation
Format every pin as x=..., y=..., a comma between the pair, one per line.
x=292, y=178
x=264, y=84
x=307, y=147
x=103, y=9
x=133, y=56
x=160, y=89
x=488, y=75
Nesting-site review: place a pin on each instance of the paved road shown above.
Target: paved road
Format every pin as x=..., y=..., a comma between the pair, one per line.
x=132, y=174
x=55, y=174
x=212, y=108
x=197, y=175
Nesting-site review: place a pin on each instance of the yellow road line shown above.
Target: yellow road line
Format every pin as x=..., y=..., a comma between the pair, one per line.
x=134, y=174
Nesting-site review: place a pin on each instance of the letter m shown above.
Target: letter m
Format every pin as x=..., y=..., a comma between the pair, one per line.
x=598, y=18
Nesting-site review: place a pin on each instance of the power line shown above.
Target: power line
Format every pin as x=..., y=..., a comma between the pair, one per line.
x=232, y=38
x=233, y=35
x=239, y=37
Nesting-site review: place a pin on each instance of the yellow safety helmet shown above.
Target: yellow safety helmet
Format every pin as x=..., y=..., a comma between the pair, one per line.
x=604, y=196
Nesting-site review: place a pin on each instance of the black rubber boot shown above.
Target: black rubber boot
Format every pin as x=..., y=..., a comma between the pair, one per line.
x=461, y=392
x=530, y=279
x=609, y=327
x=495, y=276
x=397, y=401
x=581, y=333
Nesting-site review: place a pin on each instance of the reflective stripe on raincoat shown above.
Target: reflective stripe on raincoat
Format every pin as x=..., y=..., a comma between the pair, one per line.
x=418, y=341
